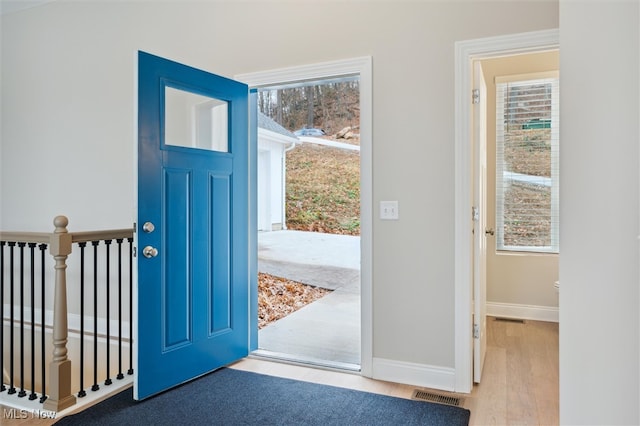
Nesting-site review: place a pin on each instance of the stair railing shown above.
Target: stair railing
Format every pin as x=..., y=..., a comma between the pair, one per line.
x=60, y=243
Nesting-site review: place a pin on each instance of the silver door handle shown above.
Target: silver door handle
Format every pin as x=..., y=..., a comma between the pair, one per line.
x=489, y=231
x=149, y=252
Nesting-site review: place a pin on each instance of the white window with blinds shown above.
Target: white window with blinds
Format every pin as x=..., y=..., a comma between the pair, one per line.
x=527, y=163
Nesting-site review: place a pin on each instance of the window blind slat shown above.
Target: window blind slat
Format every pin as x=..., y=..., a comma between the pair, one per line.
x=527, y=140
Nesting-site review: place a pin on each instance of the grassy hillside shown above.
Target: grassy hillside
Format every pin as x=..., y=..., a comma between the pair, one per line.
x=323, y=190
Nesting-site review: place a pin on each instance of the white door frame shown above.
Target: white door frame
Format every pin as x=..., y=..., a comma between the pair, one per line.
x=362, y=67
x=465, y=52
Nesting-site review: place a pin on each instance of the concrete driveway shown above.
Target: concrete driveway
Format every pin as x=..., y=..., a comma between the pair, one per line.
x=327, y=331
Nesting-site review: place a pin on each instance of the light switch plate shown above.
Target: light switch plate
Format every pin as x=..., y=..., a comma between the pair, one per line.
x=389, y=210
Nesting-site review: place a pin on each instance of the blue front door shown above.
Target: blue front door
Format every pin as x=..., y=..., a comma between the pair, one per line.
x=193, y=224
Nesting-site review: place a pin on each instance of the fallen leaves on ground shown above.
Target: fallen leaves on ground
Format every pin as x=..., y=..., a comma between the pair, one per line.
x=278, y=297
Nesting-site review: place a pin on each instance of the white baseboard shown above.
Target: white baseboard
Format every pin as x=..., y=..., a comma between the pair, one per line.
x=427, y=376
x=530, y=312
x=24, y=409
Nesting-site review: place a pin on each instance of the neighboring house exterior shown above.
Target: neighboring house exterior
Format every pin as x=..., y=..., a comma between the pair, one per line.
x=273, y=143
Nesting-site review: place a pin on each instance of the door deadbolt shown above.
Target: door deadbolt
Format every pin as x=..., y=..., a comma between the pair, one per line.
x=148, y=227
x=149, y=252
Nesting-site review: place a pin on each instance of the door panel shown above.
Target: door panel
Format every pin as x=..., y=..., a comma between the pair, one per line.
x=193, y=177
x=220, y=243
x=480, y=235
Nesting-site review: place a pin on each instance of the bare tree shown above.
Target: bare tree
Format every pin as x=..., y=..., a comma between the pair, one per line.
x=330, y=106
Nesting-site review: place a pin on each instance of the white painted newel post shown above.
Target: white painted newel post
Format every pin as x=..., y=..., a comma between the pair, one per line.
x=60, y=396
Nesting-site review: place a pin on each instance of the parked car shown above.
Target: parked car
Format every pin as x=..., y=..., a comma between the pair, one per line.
x=309, y=132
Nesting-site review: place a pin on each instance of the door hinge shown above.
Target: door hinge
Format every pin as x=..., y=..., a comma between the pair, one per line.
x=476, y=331
x=135, y=252
x=475, y=214
x=475, y=96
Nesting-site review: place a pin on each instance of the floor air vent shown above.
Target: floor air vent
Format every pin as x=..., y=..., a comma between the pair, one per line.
x=516, y=320
x=434, y=397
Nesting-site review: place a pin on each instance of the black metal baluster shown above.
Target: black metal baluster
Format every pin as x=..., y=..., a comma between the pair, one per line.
x=95, y=386
x=130, y=371
x=2, y=386
x=108, y=381
x=32, y=248
x=42, y=248
x=12, y=388
x=22, y=392
x=82, y=392
x=120, y=376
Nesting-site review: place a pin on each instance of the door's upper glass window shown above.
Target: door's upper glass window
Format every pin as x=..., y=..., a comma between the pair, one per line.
x=195, y=121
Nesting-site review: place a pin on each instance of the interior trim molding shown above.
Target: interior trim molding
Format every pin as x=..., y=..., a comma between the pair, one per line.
x=309, y=72
x=527, y=312
x=409, y=373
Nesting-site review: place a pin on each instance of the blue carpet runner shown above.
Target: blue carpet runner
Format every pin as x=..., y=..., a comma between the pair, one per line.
x=235, y=397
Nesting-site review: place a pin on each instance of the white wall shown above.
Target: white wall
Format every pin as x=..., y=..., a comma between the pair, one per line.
x=278, y=193
x=68, y=98
x=599, y=212
x=264, y=190
x=270, y=182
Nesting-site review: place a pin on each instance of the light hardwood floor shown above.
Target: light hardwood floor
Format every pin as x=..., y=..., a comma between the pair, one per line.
x=520, y=377
x=519, y=383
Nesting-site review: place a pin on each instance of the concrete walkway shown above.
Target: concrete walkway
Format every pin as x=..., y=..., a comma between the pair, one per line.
x=327, y=331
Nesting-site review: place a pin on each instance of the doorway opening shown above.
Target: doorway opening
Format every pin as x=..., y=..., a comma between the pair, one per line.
x=317, y=235
x=465, y=53
x=309, y=252
x=516, y=197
